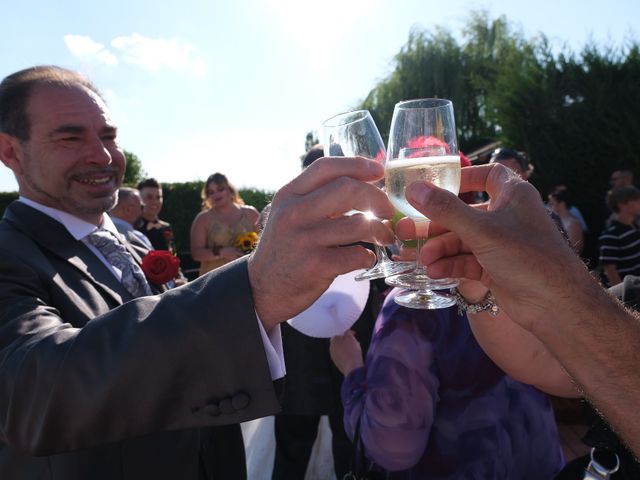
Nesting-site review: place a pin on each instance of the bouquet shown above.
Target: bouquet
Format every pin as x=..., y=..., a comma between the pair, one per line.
x=246, y=242
x=160, y=266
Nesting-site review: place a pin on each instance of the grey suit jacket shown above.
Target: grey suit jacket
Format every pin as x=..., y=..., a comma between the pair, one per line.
x=96, y=385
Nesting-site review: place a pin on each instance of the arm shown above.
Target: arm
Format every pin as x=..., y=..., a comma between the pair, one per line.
x=200, y=252
x=576, y=237
x=516, y=351
x=612, y=274
x=515, y=250
x=141, y=368
x=252, y=214
x=394, y=395
x=346, y=352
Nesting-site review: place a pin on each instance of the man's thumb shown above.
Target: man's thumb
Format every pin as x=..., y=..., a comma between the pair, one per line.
x=441, y=206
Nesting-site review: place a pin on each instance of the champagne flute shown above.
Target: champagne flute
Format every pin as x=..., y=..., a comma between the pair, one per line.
x=354, y=134
x=422, y=146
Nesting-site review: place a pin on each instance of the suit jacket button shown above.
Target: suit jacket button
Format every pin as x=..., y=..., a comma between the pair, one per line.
x=212, y=409
x=226, y=406
x=240, y=401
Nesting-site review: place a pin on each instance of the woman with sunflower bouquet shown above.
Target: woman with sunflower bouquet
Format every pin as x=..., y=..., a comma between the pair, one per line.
x=226, y=227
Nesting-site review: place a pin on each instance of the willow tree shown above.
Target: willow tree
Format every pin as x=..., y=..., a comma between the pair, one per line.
x=435, y=64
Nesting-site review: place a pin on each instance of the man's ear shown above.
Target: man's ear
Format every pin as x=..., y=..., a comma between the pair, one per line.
x=11, y=152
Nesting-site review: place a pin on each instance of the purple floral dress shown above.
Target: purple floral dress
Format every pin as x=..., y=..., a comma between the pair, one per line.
x=433, y=406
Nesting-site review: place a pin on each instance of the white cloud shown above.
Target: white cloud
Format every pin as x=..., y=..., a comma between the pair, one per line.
x=84, y=47
x=155, y=53
x=151, y=54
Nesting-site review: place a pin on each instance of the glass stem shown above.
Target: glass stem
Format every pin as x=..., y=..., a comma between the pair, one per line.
x=422, y=232
x=381, y=254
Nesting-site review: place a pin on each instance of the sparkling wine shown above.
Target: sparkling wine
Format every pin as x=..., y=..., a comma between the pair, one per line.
x=443, y=171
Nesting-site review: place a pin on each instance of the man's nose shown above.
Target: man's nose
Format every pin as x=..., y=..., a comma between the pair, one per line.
x=98, y=153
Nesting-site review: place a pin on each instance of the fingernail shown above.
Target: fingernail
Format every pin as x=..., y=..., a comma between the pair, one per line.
x=376, y=168
x=419, y=192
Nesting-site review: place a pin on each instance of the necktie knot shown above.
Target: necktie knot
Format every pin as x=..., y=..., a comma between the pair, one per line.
x=116, y=254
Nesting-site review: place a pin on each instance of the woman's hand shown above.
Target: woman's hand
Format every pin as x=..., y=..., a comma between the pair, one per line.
x=346, y=352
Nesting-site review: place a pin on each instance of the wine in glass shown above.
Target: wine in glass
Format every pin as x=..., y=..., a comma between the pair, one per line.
x=422, y=146
x=354, y=134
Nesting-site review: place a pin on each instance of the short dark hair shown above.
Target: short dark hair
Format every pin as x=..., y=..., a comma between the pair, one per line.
x=149, y=182
x=509, y=153
x=621, y=195
x=562, y=196
x=312, y=155
x=126, y=192
x=16, y=89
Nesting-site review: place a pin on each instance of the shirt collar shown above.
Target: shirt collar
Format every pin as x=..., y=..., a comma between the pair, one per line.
x=77, y=227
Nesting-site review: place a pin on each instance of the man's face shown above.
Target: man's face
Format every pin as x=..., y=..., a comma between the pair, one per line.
x=133, y=208
x=71, y=161
x=619, y=179
x=632, y=207
x=152, y=199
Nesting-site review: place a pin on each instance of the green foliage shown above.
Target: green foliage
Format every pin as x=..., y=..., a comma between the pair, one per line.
x=576, y=115
x=256, y=198
x=134, y=172
x=182, y=202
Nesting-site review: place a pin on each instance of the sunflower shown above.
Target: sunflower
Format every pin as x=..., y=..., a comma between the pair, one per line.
x=246, y=241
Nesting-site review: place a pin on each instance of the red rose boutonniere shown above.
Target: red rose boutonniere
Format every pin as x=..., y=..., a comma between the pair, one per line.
x=160, y=266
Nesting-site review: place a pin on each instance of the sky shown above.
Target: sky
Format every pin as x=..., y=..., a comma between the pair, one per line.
x=204, y=86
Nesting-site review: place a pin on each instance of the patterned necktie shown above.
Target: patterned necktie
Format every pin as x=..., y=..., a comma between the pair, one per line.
x=132, y=277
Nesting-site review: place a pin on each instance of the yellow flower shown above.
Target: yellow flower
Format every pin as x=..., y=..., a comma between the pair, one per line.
x=246, y=241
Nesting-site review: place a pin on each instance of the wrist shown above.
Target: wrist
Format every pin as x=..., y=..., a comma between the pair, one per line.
x=349, y=367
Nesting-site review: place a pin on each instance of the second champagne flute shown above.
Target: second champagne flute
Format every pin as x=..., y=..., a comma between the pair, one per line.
x=422, y=146
x=354, y=134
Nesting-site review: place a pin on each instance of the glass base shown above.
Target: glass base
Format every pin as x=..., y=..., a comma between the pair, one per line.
x=424, y=299
x=385, y=269
x=420, y=281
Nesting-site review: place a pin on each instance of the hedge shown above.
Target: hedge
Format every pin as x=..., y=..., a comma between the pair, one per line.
x=181, y=204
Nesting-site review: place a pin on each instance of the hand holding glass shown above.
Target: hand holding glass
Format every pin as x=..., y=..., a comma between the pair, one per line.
x=422, y=146
x=354, y=134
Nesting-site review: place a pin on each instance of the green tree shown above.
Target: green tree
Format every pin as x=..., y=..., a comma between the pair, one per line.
x=434, y=64
x=429, y=65
x=575, y=114
x=577, y=117
x=134, y=172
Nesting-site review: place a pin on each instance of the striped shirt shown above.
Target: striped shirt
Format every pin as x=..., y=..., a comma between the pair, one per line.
x=620, y=245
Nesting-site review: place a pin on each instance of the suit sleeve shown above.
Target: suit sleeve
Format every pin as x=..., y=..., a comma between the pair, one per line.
x=190, y=357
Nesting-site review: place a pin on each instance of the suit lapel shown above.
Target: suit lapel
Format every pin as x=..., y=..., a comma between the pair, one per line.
x=53, y=237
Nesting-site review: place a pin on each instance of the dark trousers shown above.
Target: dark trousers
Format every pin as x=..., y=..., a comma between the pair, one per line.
x=295, y=436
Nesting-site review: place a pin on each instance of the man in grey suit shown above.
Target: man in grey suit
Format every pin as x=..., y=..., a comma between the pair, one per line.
x=126, y=212
x=98, y=383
